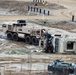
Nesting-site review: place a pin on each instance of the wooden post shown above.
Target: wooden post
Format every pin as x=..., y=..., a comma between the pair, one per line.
x=40, y=10
x=37, y=9
x=31, y=8
x=48, y=13
x=72, y=18
x=44, y=12
x=34, y=9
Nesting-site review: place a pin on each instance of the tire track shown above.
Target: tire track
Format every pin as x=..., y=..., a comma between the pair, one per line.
x=65, y=14
x=68, y=14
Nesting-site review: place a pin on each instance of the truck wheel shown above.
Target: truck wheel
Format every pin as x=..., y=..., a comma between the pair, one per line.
x=9, y=35
x=15, y=37
x=35, y=41
x=28, y=39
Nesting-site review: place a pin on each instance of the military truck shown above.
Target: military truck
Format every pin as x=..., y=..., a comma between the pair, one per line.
x=59, y=67
x=31, y=34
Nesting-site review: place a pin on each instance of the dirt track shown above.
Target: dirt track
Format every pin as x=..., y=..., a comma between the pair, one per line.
x=9, y=18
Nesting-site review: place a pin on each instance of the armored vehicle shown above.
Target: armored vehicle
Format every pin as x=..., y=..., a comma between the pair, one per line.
x=30, y=33
x=59, y=67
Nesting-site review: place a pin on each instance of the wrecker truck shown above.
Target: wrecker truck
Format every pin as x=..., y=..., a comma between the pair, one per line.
x=34, y=35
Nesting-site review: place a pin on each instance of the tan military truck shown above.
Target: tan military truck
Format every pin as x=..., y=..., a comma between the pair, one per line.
x=20, y=29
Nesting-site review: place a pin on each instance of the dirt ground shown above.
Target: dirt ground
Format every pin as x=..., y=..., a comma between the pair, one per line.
x=17, y=54
x=65, y=25
x=60, y=14
x=21, y=8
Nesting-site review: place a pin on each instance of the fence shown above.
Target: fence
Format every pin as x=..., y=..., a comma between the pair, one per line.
x=38, y=10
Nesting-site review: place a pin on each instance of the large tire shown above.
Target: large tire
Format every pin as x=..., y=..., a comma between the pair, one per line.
x=35, y=41
x=28, y=39
x=15, y=36
x=9, y=35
